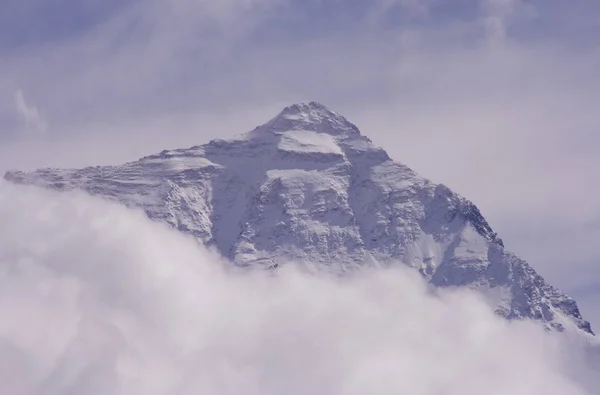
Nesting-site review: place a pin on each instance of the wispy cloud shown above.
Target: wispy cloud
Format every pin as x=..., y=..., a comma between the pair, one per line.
x=32, y=121
x=499, y=15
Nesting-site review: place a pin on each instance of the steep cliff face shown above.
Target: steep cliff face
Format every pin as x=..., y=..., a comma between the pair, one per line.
x=308, y=186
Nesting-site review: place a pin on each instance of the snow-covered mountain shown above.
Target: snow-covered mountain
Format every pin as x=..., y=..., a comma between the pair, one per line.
x=308, y=186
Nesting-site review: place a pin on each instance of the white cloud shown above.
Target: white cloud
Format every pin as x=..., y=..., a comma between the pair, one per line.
x=500, y=14
x=99, y=300
x=411, y=8
x=32, y=120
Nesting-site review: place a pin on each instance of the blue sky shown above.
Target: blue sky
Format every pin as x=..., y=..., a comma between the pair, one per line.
x=495, y=98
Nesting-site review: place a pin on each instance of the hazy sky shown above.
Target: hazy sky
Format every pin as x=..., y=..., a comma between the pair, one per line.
x=494, y=98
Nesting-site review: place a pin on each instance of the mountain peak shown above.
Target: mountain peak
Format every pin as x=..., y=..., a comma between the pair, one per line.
x=311, y=116
x=308, y=187
x=305, y=108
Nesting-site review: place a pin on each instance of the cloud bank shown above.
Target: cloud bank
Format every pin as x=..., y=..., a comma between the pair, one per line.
x=96, y=299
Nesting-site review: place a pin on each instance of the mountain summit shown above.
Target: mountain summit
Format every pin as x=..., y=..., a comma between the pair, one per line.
x=311, y=116
x=307, y=186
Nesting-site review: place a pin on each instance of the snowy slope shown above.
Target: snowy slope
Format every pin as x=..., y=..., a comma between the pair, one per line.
x=308, y=186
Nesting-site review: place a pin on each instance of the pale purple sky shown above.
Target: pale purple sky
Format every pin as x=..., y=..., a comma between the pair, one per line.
x=495, y=98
